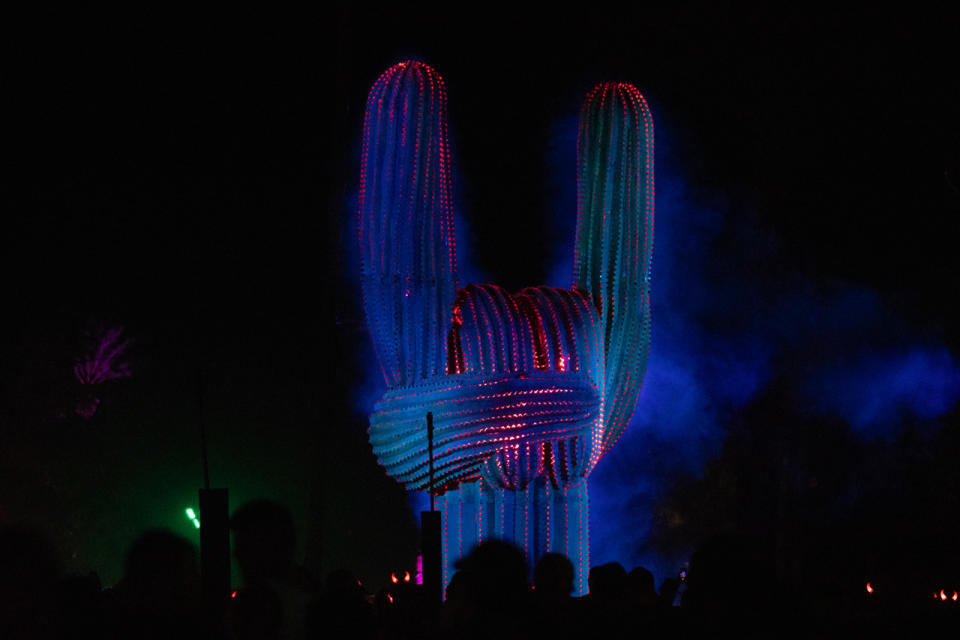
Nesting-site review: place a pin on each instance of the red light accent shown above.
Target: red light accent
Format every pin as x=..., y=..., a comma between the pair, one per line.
x=869, y=588
x=954, y=598
x=943, y=596
x=233, y=595
x=390, y=598
x=406, y=576
x=393, y=578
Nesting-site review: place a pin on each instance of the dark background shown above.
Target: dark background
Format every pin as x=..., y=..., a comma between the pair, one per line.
x=191, y=178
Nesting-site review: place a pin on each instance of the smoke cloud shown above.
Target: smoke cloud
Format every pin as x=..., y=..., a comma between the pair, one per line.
x=729, y=318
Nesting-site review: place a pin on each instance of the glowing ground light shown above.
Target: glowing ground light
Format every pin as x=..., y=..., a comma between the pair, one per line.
x=528, y=390
x=192, y=515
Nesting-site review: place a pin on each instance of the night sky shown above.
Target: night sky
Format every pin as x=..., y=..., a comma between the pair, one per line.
x=193, y=179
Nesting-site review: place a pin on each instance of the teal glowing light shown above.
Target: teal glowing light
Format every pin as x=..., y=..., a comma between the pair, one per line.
x=527, y=390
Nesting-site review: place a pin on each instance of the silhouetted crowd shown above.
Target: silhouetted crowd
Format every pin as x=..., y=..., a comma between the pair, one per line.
x=730, y=591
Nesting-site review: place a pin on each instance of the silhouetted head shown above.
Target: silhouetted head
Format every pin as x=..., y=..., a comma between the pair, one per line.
x=608, y=581
x=459, y=588
x=497, y=571
x=641, y=587
x=640, y=581
x=162, y=571
x=27, y=562
x=553, y=576
x=264, y=541
x=29, y=569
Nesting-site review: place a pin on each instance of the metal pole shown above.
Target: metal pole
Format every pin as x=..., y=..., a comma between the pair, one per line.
x=430, y=453
x=430, y=545
x=203, y=433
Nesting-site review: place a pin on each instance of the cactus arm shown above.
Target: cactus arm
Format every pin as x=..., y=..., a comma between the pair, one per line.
x=614, y=243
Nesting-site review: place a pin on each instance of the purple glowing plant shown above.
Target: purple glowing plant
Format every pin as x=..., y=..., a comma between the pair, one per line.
x=103, y=359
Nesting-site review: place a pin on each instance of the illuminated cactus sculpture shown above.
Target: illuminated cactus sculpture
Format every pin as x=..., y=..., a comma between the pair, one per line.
x=527, y=390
